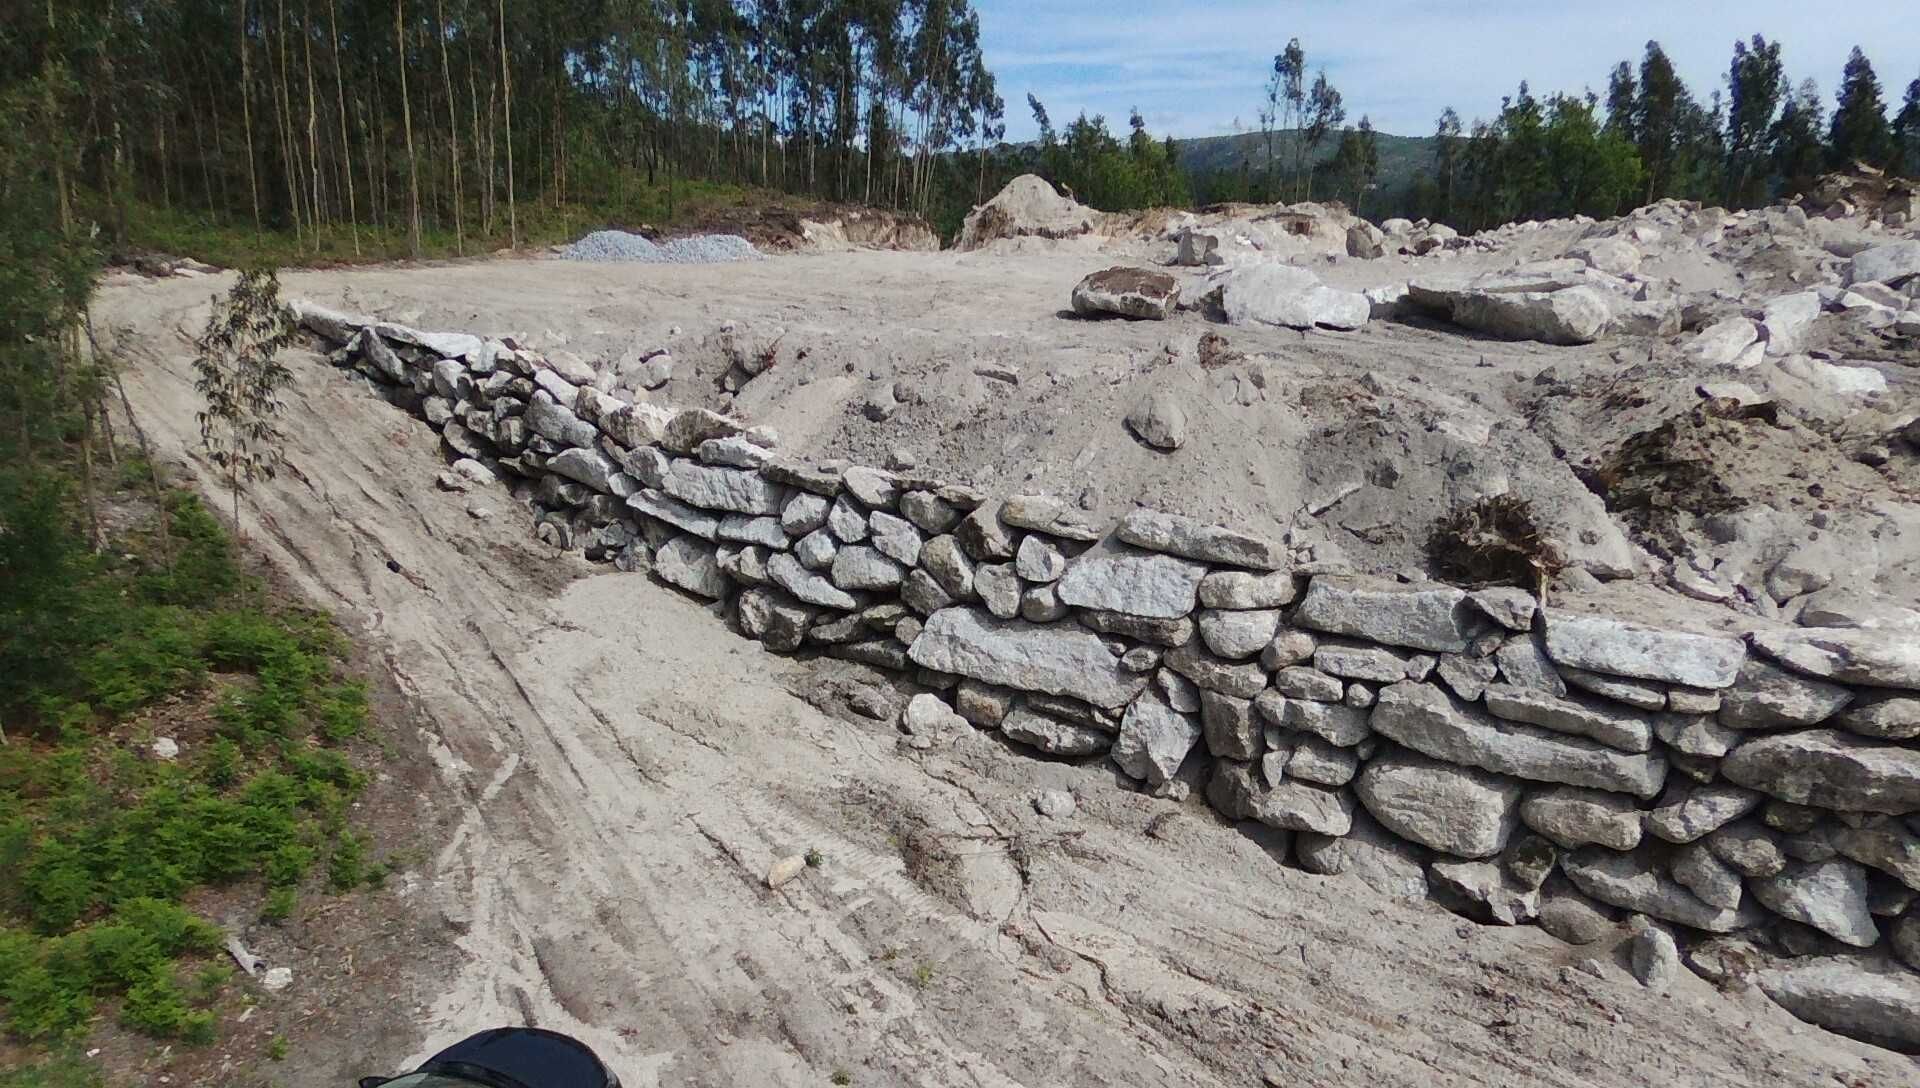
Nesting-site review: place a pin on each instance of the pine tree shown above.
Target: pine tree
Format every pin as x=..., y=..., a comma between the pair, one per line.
x=1859, y=132
x=1795, y=140
x=1755, y=84
x=1658, y=114
x=1622, y=94
x=1906, y=134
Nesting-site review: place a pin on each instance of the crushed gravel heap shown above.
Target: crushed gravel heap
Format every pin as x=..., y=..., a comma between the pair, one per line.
x=617, y=245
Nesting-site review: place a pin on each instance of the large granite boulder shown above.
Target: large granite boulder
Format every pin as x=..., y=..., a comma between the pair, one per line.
x=1127, y=292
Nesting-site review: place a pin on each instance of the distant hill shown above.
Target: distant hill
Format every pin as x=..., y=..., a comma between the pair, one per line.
x=1402, y=158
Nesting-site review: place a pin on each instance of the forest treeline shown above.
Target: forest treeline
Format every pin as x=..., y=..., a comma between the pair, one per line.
x=340, y=128
x=456, y=118
x=1759, y=136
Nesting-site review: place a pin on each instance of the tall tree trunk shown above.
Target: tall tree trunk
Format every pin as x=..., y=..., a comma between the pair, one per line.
x=406, y=115
x=313, y=118
x=453, y=128
x=506, y=84
x=346, y=146
x=289, y=143
x=479, y=169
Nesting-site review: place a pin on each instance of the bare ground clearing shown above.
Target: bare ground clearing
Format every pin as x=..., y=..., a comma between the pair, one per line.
x=625, y=769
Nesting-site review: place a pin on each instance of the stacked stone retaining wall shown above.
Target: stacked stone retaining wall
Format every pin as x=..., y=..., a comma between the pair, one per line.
x=1518, y=763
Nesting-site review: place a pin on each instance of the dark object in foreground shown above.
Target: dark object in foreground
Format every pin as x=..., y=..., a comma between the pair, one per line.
x=507, y=1058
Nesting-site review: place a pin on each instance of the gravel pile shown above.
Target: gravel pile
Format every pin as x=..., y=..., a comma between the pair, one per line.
x=618, y=245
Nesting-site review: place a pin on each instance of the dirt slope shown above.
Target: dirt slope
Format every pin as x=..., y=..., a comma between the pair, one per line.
x=628, y=769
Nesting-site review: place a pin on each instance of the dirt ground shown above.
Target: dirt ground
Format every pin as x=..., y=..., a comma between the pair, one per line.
x=614, y=771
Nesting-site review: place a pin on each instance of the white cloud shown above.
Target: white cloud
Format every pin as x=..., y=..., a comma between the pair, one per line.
x=1198, y=66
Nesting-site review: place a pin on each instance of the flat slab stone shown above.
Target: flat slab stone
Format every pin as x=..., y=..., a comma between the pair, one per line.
x=1598, y=644
x=1244, y=589
x=1137, y=584
x=1841, y=995
x=1303, y=806
x=1044, y=515
x=674, y=512
x=1890, y=848
x=1055, y=736
x=1243, y=681
x=1059, y=659
x=1851, y=655
x=1881, y=714
x=1707, y=875
x=1634, y=881
x=808, y=586
x=1613, y=726
x=1689, y=811
x=1356, y=661
x=1644, y=694
x=1829, y=769
x=1420, y=615
x=1576, y=817
x=1426, y=719
x=1830, y=896
x=1766, y=696
x=714, y=487
x=1183, y=536
x=1461, y=811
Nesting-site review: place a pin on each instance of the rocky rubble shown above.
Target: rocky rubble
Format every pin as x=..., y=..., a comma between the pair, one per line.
x=1520, y=760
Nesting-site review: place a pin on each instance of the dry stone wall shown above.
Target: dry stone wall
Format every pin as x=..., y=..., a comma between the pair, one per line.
x=1518, y=763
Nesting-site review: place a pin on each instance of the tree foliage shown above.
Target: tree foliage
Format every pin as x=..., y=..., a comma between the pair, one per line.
x=1756, y=83
x=1653, y=138
x=296, y=115
x=1092, y=163
x=239, y=376
x=1859, y=132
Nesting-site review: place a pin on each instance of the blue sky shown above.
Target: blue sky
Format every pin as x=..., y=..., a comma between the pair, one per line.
x=1193, y=68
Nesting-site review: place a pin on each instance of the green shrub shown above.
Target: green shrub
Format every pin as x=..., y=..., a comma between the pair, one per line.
x=347, y=866
x=59, y=886
x=97, y=841
x=342, y=711
x=280, y=903
x=153, y=1004
x=63, y=1071
x=158, y=653
x=288, y=864
x=202, y=571
x=220, y=763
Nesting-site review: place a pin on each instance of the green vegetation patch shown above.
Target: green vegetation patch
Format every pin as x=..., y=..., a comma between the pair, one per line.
x=99, y=839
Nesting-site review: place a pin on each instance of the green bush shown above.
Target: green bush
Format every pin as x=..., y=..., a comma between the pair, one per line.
x=347, y=867
x=64, y=1071
x=98, y=841
x=280, y=903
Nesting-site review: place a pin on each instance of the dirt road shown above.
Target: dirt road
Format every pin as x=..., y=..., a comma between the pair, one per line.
x=625, y=770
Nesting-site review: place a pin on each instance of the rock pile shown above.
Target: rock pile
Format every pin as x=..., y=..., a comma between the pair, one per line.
x=1505, y=755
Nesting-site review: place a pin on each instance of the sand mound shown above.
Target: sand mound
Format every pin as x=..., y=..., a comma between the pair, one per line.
x=1027, y=207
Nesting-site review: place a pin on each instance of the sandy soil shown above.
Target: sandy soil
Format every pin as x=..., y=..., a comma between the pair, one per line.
x=1406, y=419
x=625, y=769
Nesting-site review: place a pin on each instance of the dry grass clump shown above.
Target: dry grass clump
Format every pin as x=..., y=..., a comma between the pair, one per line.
x=1495, y=541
